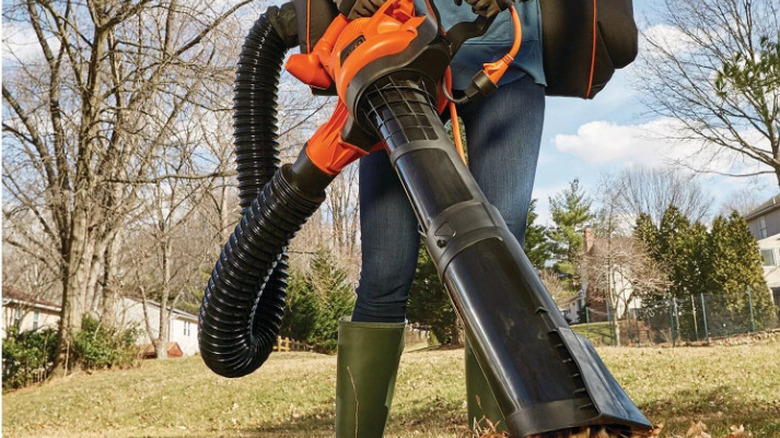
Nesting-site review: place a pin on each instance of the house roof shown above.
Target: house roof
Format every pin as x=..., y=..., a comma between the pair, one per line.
x=766, y=207
x=598, y=243
x=180, y=313
x=15, y=295
x=570, y=300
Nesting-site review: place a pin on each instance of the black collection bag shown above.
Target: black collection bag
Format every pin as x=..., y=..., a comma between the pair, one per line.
x=584, y=42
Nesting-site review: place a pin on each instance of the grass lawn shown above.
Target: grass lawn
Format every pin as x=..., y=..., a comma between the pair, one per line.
x=292, y=395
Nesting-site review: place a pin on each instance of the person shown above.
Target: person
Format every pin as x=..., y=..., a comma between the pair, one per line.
x=504, y=134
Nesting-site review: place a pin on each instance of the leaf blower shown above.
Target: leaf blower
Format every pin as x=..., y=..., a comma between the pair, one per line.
x=389, y=72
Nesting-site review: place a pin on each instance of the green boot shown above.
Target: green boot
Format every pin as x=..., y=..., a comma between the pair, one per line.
x=368, y=356
x=481, y=402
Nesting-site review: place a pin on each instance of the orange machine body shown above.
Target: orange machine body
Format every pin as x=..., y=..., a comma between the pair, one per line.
x=348, y=46
x=344, y=50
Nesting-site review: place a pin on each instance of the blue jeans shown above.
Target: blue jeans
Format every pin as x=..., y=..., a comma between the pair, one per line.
x=503, y=132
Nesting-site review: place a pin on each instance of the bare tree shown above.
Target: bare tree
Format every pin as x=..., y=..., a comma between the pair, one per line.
x=651, y=191
x=221, y=209
x=742, y=201
x=712, y=66
x=170, y=205
x=620, y=272
x=555, y=286
x=617, y=267
x=29, y=270
x=76, y=132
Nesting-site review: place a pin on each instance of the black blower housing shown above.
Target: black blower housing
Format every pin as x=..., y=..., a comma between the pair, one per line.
x=545, y=377
x=584, y=41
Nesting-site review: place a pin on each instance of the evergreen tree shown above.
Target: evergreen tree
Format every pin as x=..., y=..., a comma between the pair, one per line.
x=429, y=306
x=647, y=232
x=536, y=246
x=302, y=309
x=737, y=266
x=674, y=250
x=724, y=261
x=699, y=256
x=316, y=300
x=570, y=211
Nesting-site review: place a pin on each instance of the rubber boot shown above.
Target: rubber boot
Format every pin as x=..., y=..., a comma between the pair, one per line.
x=483, y=410
x=367, y=363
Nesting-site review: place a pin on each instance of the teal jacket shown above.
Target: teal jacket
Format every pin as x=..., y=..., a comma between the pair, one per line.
x=495, y=43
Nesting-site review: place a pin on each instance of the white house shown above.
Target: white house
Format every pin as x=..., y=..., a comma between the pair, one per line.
x=764, y=224
x=27, y=312
x=182, y=327
x=31, y=313
x=571, y=307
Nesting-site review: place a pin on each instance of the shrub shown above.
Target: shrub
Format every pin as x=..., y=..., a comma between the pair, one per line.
x=99, y=346
x=26, y=354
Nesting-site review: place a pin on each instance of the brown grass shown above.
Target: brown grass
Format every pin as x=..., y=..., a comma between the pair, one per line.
x=292, y=395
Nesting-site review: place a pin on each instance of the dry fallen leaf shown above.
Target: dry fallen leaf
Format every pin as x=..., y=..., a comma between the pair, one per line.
x=697, y=430
x=738, y=432
x=595, y=432
x=656, y=432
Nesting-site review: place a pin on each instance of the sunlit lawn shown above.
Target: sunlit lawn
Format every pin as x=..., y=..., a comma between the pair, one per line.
x=292, y=395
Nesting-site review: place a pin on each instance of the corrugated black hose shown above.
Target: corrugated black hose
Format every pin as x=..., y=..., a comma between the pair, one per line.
x=244, y=301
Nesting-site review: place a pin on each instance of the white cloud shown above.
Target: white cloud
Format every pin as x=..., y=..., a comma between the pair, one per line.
x=600, y=141
x=665, y=37
x=603, y=142
x=20, y=43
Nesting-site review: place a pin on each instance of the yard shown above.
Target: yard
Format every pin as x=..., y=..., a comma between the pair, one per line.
x=292, y=395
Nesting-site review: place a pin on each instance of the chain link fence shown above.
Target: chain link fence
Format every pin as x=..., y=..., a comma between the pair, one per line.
x=697, y=318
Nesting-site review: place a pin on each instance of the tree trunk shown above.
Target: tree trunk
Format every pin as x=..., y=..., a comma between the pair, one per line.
x=224, y=215
x=612, y=303
x=110, y=293
x=76, y=271
x=456, y=328
x=160, y=346
x=96, y=264
x=616, y=329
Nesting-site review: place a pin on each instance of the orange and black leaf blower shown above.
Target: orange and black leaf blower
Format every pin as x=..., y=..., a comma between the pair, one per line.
x=387, y=71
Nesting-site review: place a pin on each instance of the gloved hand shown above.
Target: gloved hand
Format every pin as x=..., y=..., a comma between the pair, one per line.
x=486, y=8
x=358, y=8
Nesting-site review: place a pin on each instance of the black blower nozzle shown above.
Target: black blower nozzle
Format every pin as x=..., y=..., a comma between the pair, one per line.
x=544, y=376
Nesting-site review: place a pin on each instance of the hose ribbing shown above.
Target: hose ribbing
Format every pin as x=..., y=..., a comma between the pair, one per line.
x=255, y=108
x=238, y=322
x=244, y=302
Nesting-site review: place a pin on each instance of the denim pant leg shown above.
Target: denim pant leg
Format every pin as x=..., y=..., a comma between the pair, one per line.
x=504, y=132
x=389, y=243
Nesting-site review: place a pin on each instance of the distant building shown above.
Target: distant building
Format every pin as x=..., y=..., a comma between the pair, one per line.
x=595, y=299
x=30, y=313
x=571, y=307
x=764, y=224
x=27, y=312
x=182, y=327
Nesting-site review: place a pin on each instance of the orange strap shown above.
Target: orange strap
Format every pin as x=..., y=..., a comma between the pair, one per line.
x=593, y=55
x=454, y=116
x=494, y=70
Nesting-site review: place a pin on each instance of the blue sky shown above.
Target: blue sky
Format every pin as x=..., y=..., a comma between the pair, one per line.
x=585, y=139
